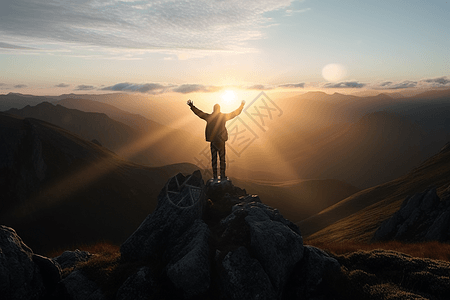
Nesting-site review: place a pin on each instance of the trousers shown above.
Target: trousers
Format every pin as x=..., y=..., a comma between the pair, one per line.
x=218, y=147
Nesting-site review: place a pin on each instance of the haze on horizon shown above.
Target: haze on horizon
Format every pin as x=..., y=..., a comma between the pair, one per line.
x=175, y=48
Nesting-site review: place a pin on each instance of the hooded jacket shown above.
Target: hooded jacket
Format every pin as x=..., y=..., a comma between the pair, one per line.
x=215, y=123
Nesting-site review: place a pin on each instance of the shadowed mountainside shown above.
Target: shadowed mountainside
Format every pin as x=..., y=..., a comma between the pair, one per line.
x=58, y=189
x=299, y=199
x=357, y=217
x=145, y=142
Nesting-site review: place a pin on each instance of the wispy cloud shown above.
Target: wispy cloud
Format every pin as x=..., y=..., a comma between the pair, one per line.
x=292, y=85
x=290, y=12
x=160, y=25
x=389, y=85
x=83, y=87
x=11, y=46
x=438, y=82
x=20, y=86
x=191, y=88
x=62, y=85
x=152, y=88
x=345, y=84
x=259, y=87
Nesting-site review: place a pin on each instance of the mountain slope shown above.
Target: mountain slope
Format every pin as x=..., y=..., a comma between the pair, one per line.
x=59, y=190
x=357, y=217
x=15, y=100
x=299, y=199
x=148, y=143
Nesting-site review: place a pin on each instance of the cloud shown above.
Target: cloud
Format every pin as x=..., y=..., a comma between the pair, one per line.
x=436, y=82
x=346, y=84
x=389, y=85
x=190, y=88
x=259, y=87
x=62, y=85
x=292, y=85
x=290, y=12
x=83, y=87
x=153, y=88
x=11, y=46
x=160, y=25
x=20, y=86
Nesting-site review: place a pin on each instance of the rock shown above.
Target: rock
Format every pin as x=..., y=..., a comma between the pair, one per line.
x=273, y=241
x=180, y=203
x=70, y=258
x=50, y=271
x=311, y=275
x=189, y=268
x=421, y=217
x=20, y=277
x=243, y=277
x=216, y=190
x=276, y=246
x=138, y=286
x=79, y=287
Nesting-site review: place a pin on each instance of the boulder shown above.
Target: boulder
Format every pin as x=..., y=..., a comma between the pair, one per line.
x=180, y=203
x=422, y=217
x=70, y=258
x=138, y=286
x=20, y=277
x=79, y=287
x=243, y=277
x=189, y=267
x=274, y=241
x=311, y=276
x=50, y=272
x=269, y=238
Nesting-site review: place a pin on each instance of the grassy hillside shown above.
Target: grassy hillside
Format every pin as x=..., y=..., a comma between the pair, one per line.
x=357, y=217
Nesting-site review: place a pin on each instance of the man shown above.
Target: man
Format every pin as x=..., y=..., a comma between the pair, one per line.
x=216, y=133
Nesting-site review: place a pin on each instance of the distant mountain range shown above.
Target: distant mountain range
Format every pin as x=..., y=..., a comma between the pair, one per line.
x=318, y=136
x=137, y=138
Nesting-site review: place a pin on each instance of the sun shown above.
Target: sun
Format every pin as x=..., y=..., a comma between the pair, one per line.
x=228, y=97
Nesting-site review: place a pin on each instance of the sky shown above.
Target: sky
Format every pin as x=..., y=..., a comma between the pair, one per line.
x=52, y=47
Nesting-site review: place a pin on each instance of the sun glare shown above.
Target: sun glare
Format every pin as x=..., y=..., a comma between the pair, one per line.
x=228, y=97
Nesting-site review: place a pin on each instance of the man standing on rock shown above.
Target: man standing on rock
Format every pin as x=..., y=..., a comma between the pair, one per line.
x=216, y=133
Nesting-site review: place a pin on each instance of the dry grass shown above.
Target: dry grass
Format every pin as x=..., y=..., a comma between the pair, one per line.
x=432, y=250
x=97, y=248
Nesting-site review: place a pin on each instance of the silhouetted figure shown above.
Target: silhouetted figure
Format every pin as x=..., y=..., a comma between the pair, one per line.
x=216, y=133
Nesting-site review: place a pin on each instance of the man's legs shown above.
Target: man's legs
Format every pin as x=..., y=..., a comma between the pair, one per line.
x=222, y=160
x=214, y=159
x=218, y=146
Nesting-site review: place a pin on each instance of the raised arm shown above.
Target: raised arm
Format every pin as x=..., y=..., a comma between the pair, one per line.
x=235, y=113
x=197, y=111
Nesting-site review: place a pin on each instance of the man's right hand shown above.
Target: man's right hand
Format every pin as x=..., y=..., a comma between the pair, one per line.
x=190, y=103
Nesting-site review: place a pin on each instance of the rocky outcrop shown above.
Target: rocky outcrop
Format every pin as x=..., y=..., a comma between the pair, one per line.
x=180, y=204
x=78, y=287
x=20, y=276
x=422, y=217
x=233, y=244
x=227, y=246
